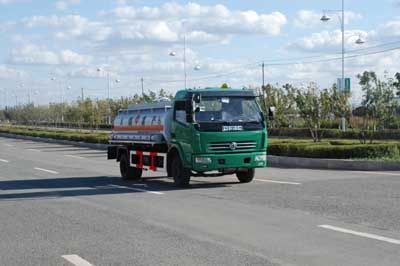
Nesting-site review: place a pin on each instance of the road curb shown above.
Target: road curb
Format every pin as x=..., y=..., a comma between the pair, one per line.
x=332, y=164
x=273, y=161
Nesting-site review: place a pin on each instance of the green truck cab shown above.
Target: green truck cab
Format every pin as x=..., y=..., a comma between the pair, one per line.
x=202, y=132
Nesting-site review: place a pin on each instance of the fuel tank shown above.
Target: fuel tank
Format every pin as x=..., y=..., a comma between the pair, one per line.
x=145, y=123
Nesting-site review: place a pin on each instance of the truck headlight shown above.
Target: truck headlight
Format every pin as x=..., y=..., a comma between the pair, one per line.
x=203, y=160
x=260, y=158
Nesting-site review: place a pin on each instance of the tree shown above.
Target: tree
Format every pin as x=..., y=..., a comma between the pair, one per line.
x=224, y=86
x=282, y=100
x=339, y=103
x=378, y=101
x=396, y=84
x=313, y=106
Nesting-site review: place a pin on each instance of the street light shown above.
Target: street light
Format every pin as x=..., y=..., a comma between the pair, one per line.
x=62, y=96
x=172, y=53
x=325, y=18
x=16, y=98
x=4, y=98
x=108, y=90
x=359, y=41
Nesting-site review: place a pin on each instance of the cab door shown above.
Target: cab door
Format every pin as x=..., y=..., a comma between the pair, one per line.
x=181, y=132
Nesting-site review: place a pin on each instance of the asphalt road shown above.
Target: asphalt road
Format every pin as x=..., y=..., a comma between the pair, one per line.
x=63, y=205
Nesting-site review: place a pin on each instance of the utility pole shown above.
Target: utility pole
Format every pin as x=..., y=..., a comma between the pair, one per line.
x=184, y=59
x=29, y=95
x=343, y=77
x=263, y=75
x=142, y=81
x=108, y=85
x=341, y=15
x=263, y=88
x=82, y=107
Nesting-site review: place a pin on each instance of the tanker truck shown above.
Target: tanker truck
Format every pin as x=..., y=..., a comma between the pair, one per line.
x=202, y=132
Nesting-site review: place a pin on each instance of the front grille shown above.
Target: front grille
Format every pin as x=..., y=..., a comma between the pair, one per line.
x=231, y=146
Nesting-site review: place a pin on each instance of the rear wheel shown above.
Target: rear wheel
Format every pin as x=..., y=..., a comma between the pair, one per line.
x=128, y=172
x=180, y=174
x=246, y=176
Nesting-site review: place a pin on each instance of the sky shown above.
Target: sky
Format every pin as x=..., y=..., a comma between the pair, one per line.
x=54, y=50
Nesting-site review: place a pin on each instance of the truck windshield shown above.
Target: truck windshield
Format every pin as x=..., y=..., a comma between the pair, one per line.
x=228, y=109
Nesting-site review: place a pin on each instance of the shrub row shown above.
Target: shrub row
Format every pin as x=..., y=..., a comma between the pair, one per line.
x=334, y=133
x=326, y=150
x=334, y=149
x=58, y=134
x=66, y=125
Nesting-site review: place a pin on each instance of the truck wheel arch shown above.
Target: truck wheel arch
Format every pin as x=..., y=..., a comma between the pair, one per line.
x=120, y=151
x=172, y=153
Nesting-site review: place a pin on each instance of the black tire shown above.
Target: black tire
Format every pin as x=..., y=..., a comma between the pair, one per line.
x=128, y=172
x=180, y=174
x=247, y=176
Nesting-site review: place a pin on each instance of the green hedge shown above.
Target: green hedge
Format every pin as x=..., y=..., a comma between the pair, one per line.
x=393, y=134
x=327, y=150
x=65, y=125
x=335, y=149
x=58, y=134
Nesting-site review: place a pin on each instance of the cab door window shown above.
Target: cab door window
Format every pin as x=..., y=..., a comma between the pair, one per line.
x=180, y=114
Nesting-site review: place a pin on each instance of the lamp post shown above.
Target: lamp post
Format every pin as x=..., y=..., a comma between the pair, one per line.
x=4, y=98
x=341, y=15
x=16, y=98
x=173, y=54
x=62, y=95
x=99, y=70
x=197, y=67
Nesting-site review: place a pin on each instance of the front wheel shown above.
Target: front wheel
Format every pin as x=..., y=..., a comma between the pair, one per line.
x=246, y=176
x=128, y=172
x=180, y=174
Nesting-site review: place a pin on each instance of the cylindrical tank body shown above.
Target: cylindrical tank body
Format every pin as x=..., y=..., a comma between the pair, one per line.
x=143, y=123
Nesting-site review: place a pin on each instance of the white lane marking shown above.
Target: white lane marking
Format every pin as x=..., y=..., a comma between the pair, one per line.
x=379, y=173
x=9, y=145
x=278, y=182
x=33, y=150
x=73, y=156
x=76, y=260
x=138, y=189
x=4, y=161
x=46, y=170
x=361, y=234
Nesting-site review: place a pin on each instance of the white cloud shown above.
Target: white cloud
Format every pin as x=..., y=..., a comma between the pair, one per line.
x=32, y=54
x=158, y=31
x=4, y=2
x=55, y=21
x=391, y=29
x=70, y=27
x=64, y=5
x=211, y=19
x=161, y=24
x=7, y=72
x=312, y=18
x=328, y=41
x=69, y=57
x=61, y=5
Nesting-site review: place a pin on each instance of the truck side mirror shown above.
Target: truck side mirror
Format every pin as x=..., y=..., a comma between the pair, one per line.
x=271, y=113
x=196, y=98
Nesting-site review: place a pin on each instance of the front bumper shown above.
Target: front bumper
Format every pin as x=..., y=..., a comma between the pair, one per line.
x=222, y=161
